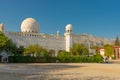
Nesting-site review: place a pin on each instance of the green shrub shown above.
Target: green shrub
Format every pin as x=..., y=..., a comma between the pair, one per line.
x=21, y=59
x=51, y=59
x=98, y=58
x=91, y=59
x=75, y=59
x=64, y=57
x=29, y=59
x=113, y=57
x=84, y=58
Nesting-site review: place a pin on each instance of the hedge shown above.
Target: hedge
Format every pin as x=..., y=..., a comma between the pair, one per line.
x=82, y=59
x=48, y=59
x=29, y=59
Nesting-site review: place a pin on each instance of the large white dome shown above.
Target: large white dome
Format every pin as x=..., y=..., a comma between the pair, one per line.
x=30, y=25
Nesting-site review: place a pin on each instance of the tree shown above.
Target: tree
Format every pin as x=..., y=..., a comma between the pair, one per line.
x=3, y=41
x=64, y=56
x=117, y=43
x=109, y=50
x=35, y=49
x=20, y=50
x=79, y=49
x=10, y=47
x=7, y=44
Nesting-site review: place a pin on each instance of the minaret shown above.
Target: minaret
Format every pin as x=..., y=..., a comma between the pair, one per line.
x=2, y=27
x=68, y=37
x=58, y=33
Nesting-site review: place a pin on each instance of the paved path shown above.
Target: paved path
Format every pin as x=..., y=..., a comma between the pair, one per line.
x=59, y=71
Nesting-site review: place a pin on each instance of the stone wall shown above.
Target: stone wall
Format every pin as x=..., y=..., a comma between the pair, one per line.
x=46, y=41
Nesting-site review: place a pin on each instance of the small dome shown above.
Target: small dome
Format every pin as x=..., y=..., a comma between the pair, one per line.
x=30, y=25
x=69, y=27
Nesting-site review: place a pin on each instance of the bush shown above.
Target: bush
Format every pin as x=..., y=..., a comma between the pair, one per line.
x=91, y=59
x=21, y=59
x=81, y=59
x=75, y=59
x=29, y=59
x=113, y=57
x=64, y=57
x=98, y=58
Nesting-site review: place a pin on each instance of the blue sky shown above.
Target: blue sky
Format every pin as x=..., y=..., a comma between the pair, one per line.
x=100, y=18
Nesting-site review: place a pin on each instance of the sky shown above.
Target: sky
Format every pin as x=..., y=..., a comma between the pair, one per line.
x=100, y=18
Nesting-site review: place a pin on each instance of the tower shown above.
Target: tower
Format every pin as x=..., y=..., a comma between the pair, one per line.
x=68, y=37
x=2, y=27
x=58, y=33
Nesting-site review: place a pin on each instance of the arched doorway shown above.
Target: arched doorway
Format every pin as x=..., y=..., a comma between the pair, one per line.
x=52, y=52
x=60, y=51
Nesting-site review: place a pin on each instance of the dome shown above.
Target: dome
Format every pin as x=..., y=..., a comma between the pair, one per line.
x=69, y=27
x=30, y=25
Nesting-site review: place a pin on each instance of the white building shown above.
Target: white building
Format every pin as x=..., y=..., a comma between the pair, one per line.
x=30, y=35
x=102, y=52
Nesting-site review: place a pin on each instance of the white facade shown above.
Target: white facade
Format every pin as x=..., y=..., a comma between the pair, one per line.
x=50, y=42
x=68, y=37
x=30, y=35
x=102, y=52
